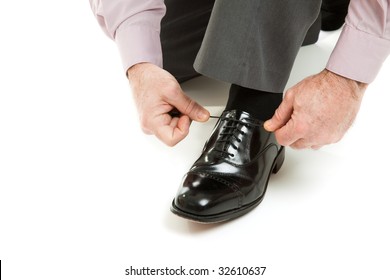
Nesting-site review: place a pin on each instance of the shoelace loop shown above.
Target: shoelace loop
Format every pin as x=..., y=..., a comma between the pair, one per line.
x=229, y=136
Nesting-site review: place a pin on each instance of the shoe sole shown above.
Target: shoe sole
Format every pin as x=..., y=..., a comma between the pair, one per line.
x=235, y=213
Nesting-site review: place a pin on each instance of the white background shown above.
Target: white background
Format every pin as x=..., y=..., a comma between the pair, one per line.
x=85, y=195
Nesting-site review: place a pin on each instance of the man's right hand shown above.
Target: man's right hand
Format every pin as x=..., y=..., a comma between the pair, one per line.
x=157, y=93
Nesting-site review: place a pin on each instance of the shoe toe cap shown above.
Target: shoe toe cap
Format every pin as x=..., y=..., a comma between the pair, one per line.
x=204, y=194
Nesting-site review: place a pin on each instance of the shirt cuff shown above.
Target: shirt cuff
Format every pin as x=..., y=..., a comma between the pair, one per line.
x=358, y=55
x=138, y=43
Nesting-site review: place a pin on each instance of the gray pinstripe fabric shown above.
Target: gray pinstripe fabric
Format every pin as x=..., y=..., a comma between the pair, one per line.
x=252, y=43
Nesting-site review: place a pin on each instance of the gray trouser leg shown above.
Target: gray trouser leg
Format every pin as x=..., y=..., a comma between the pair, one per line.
x=253, y=43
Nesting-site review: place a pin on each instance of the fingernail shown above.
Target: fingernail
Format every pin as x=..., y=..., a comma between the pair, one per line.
x=202, y=115
x=268, y=124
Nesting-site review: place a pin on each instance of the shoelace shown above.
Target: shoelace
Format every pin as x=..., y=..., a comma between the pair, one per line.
x=229, y=135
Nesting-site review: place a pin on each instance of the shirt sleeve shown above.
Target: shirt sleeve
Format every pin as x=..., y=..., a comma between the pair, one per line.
x=135, y=27
x=364, y=42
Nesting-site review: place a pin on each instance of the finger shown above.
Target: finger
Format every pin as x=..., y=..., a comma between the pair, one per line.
x=282, y=113
x=174, y=122
x=182, y=122
x=300, y=144
x=304, y=144
x=146, y=131
x=189, y=107
x=174, y=132
x=146, y=128
x=316, y=147
x=287, y=134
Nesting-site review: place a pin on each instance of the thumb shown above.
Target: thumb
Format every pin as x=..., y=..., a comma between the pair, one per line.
x=190, y=108
x=282, y=114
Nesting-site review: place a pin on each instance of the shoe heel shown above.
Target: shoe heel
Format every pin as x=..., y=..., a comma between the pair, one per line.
x=279, y=160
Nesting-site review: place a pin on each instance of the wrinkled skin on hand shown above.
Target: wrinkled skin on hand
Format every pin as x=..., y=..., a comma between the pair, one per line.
x=317, y=111
x=156, y=93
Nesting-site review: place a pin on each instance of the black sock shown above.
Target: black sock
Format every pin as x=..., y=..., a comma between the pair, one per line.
x=260, y=104
x=333, y=13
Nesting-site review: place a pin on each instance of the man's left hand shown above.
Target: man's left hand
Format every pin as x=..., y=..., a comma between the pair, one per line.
x=317, y=111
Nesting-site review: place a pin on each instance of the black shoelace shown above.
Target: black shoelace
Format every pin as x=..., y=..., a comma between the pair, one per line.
x=230, y=135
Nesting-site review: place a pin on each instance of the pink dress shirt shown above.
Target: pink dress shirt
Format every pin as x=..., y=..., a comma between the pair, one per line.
x=363, y=46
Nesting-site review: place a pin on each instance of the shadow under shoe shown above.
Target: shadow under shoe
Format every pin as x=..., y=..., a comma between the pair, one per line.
x=231, y=176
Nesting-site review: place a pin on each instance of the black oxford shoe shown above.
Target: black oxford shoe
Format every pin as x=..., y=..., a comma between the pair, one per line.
x=230, y=177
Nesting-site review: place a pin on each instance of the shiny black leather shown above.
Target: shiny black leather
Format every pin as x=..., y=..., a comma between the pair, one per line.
x=230, y=177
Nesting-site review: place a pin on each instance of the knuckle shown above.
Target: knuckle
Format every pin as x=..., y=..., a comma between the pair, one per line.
x=289, y=95
x=335, y=139
x=299, y=145
x=145, y=130
x=190, y=107
x=301, y=128
x=280, y=139
x=278, y=114
x=171, y=91
x=144, y=124
x=170, y=143
x=295, y=147
x=316, y=147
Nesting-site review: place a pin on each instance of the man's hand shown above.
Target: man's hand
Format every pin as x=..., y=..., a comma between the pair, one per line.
x=317, y=111
x=157, y=93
